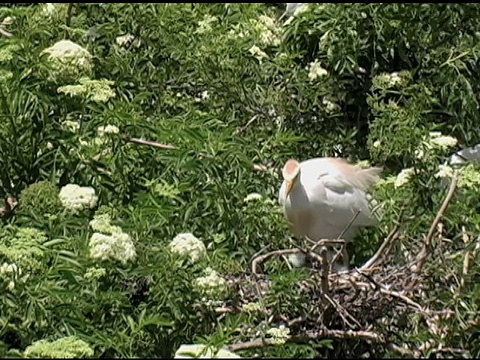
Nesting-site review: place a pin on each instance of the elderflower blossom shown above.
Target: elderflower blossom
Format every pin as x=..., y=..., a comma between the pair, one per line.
x=117, y=247
x=470, y=177
x=252, y=197
x=190, y=351
x=315, y=70
x=76, y=198
x=279, y=335
x=11, y=273
x=386, y=80
x=444, y=171
x=267, y=30
x=71, y=126
x=69, y=59
x=444, y=141
x=435, y=140
x=95, y=90
x=258, y=53
x=126, y=40
x=66, y=347
x=101, y=223
x=108, y=129
x=48, y=9
x=188, y=245
x=252, y=307
x=205, y=24
x=94, y=273
x=404, y=177
x=22, y=247
x=211, y=285
x=7, y=52
x=330, y=106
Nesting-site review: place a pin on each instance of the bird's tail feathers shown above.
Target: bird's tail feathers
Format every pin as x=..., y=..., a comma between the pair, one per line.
x=368, y=177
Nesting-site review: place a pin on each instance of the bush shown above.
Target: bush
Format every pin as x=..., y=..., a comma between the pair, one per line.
x=175, y=119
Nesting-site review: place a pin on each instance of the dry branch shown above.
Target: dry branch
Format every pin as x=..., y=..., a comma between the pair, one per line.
x=309, y=336
x=427, y=244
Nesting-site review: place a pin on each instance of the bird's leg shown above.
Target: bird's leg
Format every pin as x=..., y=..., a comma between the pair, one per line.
x=346, y=260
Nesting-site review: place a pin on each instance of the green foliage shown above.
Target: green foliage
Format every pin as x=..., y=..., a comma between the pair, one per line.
x=40, y=198
x=229, y=87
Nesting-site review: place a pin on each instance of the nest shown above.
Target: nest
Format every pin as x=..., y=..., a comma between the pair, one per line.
x=361, y=310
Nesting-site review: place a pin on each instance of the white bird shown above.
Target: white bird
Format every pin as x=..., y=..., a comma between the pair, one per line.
x=290, y=9
x=467, y=155
x=321, y=196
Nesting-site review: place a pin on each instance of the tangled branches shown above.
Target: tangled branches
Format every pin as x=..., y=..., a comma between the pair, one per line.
x=362, y=307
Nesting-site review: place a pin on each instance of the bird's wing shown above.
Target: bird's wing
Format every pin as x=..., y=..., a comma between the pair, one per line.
x=340, y=187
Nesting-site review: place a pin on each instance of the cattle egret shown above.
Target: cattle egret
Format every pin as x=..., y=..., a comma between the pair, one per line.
x=321, y=196
x=467, y=155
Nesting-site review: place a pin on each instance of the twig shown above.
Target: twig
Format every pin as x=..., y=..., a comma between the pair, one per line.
x=247, y=125
x=383, y=250
x=252, y=344
x=400, y=350
x=259, y=252
x=308, y=336
x=152, y=143
x=325, y=242
x=69, y=14
x=339, y=334
x=427, y=244
x=344, y=314
x=262, y=258
x=324, y=273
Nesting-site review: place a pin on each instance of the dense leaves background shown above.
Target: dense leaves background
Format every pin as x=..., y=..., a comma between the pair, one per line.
x=192, y=82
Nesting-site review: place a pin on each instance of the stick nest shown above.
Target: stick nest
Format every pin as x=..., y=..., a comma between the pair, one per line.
x=361, y=309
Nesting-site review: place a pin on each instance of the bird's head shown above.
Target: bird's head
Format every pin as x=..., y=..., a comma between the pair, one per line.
x=291, y=172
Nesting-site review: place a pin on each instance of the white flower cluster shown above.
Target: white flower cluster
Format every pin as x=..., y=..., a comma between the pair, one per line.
x=76, y=198
x=252, y=307
x=48, y=9
x=388, y=80
x=404, y=177
x=191, y=351
x=94, y=273
x=258, y=53
x=69, y=58
x=108, y=129
x=69, y=347
x=205, y=25
x=444, y=171
x=252, y=197
x=71, y=126
x=118, y=247
x=279, y=335
x=315, y=70
x=102, y=223
x=211, y=285
x=330, y=106
x=110, y=243
x=125, y=40
x=95, y=90
x=267, y=30
x=435, y=140
x=12, y=273
x=188, y=245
